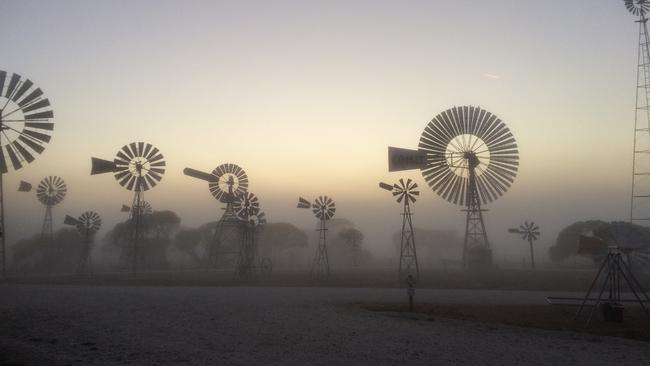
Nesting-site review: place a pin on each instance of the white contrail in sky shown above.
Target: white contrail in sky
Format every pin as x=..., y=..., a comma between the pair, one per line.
x=492, y=76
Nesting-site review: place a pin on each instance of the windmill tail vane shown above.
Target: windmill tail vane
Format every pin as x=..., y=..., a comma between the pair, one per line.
x=69, y=220
x=24, y=186
x=303, y=203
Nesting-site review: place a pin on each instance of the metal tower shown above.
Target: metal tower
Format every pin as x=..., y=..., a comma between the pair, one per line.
x=476, y=247
x=320, y=268
x=408, y=258
x=46, y=230
x=640, y=196
x=247, y=207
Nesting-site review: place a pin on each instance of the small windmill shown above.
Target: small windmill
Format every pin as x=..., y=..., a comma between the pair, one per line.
x=408, y=259
x=324, y=209
x=26, y=126
x=138, y=167
x=225, y=183
x=353, y=238
x=50, y=192
x=529, y=232
x=87, y=224
x=247, y=206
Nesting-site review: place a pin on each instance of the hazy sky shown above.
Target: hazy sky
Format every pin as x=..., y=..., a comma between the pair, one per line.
x=307, y=95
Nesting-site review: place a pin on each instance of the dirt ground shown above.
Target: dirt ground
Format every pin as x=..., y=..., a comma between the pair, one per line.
x=204, y=325
x=635, y=325
x=507, y=279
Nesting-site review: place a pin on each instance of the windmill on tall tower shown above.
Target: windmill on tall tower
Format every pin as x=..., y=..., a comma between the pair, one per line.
x=25, y=127
x=324, y=209
x=408, y=258
x=50, y=192
x=640, y=196
x=87, y=224
x=137, y=167
x=226, y=183
x=469, y=157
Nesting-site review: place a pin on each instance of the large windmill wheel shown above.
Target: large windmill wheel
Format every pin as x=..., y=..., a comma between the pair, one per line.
x=231, y=182
x=637, y=7
x=88, y=223
x=323, y=208
x=464, y=139
x=246, y=206
x=51, y=190
x=25, y=121
x=137, y=166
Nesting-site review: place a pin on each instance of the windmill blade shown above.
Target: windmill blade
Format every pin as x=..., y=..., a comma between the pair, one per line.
x=200, y=175
x=386, y=186
x=24, y=186
x=303, y=203
x=100, y=166
x=69, y=220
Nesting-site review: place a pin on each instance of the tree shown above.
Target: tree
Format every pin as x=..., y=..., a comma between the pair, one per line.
x=353, y=238
x=566, y=244
x=155, y=229
x=41, y=254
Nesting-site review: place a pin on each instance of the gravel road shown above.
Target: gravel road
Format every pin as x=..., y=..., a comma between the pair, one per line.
x=75, y=325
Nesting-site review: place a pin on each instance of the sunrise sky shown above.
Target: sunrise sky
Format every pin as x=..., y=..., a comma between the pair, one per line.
x=306, y=96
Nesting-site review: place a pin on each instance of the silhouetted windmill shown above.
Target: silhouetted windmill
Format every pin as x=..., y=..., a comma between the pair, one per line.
x=26, y=125
x=408, y=258
x=640, y=194
x=50, y=192
x=246, y=207
x=469, y=157
x=138, y=167
x=87, y=224
x=324, y=209
x=226, y=183
x=530, y=233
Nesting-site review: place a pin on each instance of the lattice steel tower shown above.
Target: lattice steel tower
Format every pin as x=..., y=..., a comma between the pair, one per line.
x=408, y=258
x=640, y=197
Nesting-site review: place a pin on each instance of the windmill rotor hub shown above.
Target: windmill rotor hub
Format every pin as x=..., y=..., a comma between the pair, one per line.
x=467, y=151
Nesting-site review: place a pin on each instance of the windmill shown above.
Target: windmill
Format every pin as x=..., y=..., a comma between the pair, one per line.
x=87, y=224
x=26, y=125
x=408, y=259
x=529, y=232
x=226, y=183
x=247, y=208
x=138, y=167
x=353, y=238
x=640, y=195
x=469, y=157
x=50, y=192
x=324, y=209
x=614, y=274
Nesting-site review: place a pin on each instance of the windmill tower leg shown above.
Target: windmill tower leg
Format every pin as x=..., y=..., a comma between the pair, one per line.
x=408, y=259
x=321, y=267
x=227, y=234
x=246, y=261
x=46, y=230
x=476, y=248
x=136, y=209
x=640, y=197
x=84, y=259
